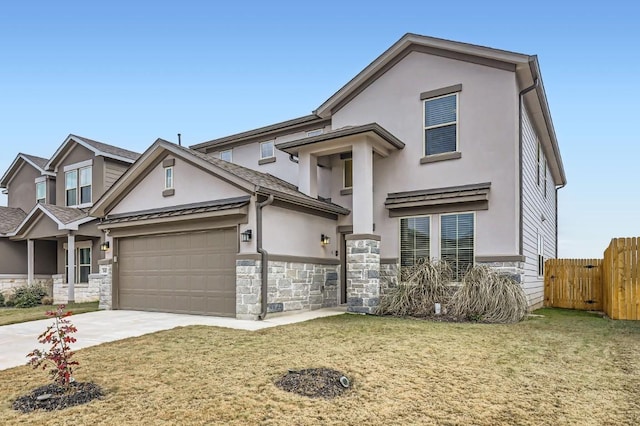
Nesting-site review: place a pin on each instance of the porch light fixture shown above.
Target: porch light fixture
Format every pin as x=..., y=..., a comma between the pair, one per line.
x=246, y=236
x=104, y=246
x=324, y=239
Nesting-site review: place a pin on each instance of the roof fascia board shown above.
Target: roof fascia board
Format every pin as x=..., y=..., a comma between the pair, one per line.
x=62, y=153
x=10, y=173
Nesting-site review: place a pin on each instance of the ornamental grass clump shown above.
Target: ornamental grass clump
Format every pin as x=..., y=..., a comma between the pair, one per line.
x=421, y=287
x=488, y=296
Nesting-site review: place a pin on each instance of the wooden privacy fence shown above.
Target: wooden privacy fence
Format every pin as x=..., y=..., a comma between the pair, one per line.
x=611, y=284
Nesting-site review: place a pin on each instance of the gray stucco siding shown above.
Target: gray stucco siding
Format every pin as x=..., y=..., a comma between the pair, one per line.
x=22, y=188
x=534, y=207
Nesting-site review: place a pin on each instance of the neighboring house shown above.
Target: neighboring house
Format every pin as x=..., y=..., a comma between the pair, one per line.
x=437, y=149
x=47, y=216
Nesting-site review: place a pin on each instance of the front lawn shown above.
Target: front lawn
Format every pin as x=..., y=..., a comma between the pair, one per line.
x=563, y=368
x=16, y=315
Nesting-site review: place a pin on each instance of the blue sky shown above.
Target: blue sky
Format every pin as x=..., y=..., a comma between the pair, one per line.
x=128, y=72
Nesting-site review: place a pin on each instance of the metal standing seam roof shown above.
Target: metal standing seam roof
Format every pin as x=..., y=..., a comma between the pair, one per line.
x=266, y=182
x=399, y=199
x=109, y=149
x=10, y=219
x=180, y=210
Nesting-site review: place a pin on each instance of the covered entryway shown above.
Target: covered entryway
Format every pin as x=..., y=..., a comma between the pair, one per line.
x=190, y=272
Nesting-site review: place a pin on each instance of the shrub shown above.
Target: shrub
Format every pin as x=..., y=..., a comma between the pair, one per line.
x=1, y=300
x=28, y=296
x=47, y=300
x=421, y=287
x=9, y=301
x=488, y=296
x=59, y=335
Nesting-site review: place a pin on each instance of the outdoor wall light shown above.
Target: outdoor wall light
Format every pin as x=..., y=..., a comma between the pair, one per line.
x=324, y=239
x=104, y=246
x=246, y=236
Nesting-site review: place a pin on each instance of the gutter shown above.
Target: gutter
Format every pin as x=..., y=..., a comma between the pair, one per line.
x=264, y=259
x=523, y=92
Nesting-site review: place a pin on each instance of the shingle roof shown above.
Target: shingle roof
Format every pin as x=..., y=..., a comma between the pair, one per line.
x=266, y=181
x=66, y=214
x=180, y=210
x=38, y=161
x=109, y=149
x=10, y=218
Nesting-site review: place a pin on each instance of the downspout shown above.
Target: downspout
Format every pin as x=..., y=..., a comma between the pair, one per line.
x=520, y=103
x=264, y=258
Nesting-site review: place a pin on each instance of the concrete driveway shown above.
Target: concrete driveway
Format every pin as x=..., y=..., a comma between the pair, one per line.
x=94, y=328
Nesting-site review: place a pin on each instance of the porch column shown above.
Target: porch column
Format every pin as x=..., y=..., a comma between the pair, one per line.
x=363, y=188
x=30, y=254
x=71, y=255
x=308, y=174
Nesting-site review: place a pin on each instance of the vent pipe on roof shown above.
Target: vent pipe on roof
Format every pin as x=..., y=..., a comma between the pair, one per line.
x=179, y=139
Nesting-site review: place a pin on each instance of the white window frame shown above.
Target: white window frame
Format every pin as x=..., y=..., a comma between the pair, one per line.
x=67, y=189
x=430, y=217
x=344, y=171
x=475, y=232
x=78, y=245
x=540, y=250
x=230, y=151
x=168, y=176
x=545, y=177
x=44, y=200
x=80, y=186
x=273, y=149
x=425, y=127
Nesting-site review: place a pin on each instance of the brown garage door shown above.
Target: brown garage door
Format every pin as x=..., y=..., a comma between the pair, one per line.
x=185, y=273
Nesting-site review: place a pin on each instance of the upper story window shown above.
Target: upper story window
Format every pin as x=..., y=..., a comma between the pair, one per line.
x=545, y=178
x=315, y=132
x=457, y=240
x=347, y=173
x=267, y=150
x=168, y=177
x=41, y=192
x=226, y=155
x=415, y=239
x=441, y=124
x=77, y=187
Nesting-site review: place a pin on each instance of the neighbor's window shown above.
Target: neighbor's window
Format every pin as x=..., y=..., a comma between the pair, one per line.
x=168, y=178
x=71, y=187
x=457, y=241
x=414, y=239
x=545, y=178
x=85, y=185
x=540, y=254
x=266, y=150
x=347, y=178
x=41, y=192
x=226, y=155
x=441, y=124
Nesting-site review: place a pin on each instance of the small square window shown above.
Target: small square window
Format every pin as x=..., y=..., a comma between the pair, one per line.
x=347, y=178
x=441, y=124
x=266, y=150
x=168, y=178
x=226, y=155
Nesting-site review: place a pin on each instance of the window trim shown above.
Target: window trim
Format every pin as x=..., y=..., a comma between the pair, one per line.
x=44, y=200
x=425, y=127
x=475, y=228
x=540, y=253
x=66, y=189
x=431, y=222
x=273, y=149
x=230, y=151
x=344, y=170
x=544, y=162
x=80, y=186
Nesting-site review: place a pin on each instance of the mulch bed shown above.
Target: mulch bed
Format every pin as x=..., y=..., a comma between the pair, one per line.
x=80, y=393
x=313, y=383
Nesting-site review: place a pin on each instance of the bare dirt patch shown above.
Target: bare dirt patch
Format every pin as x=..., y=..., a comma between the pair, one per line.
x=314, y=382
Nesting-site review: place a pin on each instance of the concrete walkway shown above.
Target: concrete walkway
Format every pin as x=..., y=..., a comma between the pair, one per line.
x=94, y=328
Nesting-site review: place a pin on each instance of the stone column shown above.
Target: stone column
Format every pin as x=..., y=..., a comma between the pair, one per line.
x=248, y=288
x=106, y=290
x=363, y=273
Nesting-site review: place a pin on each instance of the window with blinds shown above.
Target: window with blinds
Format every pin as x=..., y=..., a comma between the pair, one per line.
x=441, y=124
x=457, y=236
x=414, y=239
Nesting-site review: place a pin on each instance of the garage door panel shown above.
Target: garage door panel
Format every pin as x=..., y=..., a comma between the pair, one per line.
x=184, y=273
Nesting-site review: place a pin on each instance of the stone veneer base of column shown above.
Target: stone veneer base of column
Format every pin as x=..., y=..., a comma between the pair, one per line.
x=363, y=274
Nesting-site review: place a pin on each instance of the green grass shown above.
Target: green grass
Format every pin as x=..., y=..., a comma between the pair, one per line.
x=17, y=315
x=566, y=367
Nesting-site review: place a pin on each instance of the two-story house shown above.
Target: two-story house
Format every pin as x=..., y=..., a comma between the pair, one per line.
x=47, y=216
x=437, y=149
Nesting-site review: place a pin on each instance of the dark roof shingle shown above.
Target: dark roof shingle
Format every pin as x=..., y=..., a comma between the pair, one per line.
x=65, y=214
x=38, y=161
x=109, y=149
x=10, y=218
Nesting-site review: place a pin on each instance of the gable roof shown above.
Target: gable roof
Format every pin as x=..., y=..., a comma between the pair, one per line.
x=10, y=219
x=266, y=132
x=251, y=180
x=66, y=218
x=98, y=148
x=525, y=67
x=38, y=163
